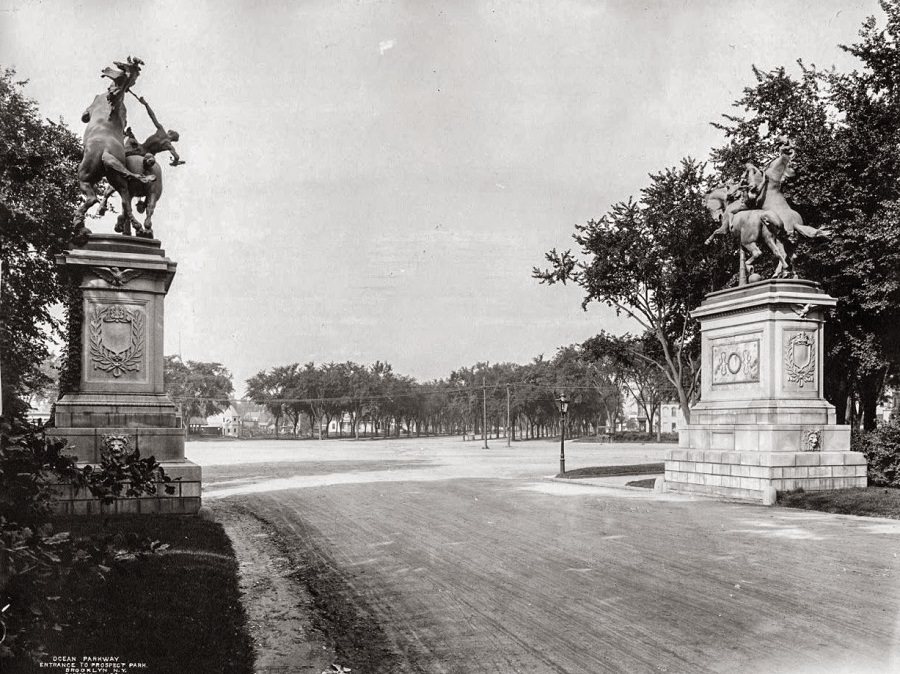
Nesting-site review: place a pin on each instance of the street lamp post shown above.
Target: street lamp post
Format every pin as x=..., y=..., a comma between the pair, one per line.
x=563, y=408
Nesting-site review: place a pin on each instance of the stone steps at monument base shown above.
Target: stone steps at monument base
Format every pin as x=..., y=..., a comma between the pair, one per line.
x=186, y=499
x=746, y=475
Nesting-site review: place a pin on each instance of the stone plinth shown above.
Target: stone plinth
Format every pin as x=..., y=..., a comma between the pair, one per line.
x=120, y=389
x=762, y=420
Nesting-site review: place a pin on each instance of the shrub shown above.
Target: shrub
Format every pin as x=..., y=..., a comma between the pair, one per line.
x=34, y=558
x=882, y=450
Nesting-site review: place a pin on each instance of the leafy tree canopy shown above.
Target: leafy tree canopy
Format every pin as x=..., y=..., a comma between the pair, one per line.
x=645, y=259
x=199, y=389
x=38, y=195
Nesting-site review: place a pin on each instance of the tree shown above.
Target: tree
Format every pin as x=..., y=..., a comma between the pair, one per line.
x=646, y=259
x=846, y=130
x=38, y=197
x=606, y=374
x=267, y=389
x=634, y=361
x=199, y=389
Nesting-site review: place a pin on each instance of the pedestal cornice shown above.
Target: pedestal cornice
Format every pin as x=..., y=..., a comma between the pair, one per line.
x=769, y=293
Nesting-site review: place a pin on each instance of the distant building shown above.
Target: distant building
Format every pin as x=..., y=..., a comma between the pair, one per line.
x=667, y=419
x=670, y=417
x=227, y=423
x=344, y=426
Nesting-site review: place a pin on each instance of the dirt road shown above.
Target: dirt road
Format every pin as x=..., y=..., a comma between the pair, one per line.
x=437, y=558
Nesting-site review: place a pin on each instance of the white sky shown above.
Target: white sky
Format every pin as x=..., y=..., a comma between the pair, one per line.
x=375, y=180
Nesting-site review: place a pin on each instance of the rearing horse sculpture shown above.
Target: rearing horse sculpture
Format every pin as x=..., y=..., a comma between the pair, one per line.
x=766, y=216
x=749, y=225
x=104, y=149
x=768, y=182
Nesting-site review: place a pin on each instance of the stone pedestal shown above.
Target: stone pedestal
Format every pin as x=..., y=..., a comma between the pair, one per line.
x=120, y=390
x=762, y=421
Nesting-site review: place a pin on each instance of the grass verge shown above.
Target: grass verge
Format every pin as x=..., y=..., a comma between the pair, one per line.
x=606, y=471
x=340, y=611
x=867, y=502
x=175, y=611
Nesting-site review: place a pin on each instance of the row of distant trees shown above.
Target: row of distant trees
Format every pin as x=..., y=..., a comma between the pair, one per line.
x=485, y=398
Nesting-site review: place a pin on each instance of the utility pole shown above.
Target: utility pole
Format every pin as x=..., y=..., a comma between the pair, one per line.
x=508, y=427
x=484, y=412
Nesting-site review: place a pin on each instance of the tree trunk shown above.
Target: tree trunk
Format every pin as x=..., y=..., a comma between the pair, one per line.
x=870, y=390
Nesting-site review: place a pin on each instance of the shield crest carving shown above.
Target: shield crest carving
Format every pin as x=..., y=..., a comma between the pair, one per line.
x=116, y=339
x=799, y=359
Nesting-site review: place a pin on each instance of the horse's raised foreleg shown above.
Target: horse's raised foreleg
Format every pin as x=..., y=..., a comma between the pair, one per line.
x=722, y=229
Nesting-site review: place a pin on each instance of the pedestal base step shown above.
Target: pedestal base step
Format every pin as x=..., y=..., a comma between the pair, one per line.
x=746, y=475
x=185, y=499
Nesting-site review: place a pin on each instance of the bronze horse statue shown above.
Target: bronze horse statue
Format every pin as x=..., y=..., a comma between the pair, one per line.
x=749, y=225
x=763, y=212
x=768, y=184
x=104, y=149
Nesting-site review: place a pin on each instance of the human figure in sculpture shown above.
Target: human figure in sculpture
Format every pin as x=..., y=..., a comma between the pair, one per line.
x=756, y=211
x=725, y=201
x=160, y=141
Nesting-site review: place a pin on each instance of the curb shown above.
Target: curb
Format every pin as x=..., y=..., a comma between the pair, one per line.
x=581, y=481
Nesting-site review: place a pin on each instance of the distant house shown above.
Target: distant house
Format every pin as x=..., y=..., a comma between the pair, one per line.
x=668, y=417
x=344, y=426
x=228, y=423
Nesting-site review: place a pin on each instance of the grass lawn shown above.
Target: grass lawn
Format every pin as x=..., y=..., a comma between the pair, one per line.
x=606, y=471
x=643, y=484
x=177, y=611
x=869, y=502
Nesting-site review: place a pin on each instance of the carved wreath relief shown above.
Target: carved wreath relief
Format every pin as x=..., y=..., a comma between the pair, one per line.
x=116, y=339
x=800, y=359
x=736, y=363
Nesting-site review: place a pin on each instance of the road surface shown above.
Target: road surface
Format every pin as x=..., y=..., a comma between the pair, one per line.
x=439, y=556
